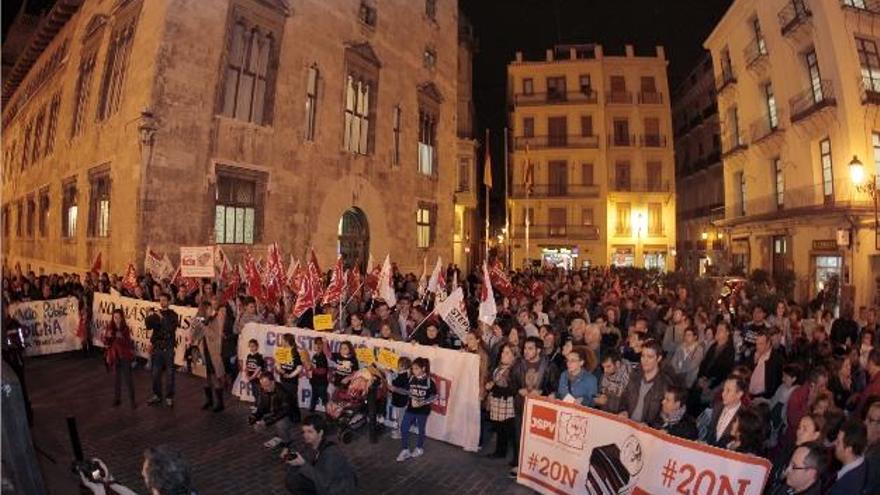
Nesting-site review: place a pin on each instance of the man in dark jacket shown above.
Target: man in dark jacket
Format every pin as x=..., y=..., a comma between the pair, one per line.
x=673, y=415
x=530, y=376
x=326, y=471
x=767, y=368
x=803, y=475
x=273, y=409
x=162, y=324
x=849, y=449
x=647, y=385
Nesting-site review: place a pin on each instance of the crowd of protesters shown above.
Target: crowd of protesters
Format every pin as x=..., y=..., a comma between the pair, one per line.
x=796, y=384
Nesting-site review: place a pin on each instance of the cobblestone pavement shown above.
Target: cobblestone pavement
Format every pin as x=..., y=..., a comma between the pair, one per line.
x=227, y=456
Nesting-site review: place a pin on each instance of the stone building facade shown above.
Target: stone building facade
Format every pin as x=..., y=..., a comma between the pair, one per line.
x=596, y=128
x=798, y=85
x=699, y=173
x=319, y=124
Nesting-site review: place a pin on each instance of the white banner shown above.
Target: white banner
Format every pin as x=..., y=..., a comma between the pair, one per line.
x=572, y=449
x=455, y=417
x=452, y=311
x=197, y=261
x=136, y=311
x=48, y=326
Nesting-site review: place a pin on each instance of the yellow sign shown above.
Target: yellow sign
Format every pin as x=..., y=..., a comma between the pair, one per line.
x=323, y=322
x=365, y=355
x=388, y=359
x=283, y=355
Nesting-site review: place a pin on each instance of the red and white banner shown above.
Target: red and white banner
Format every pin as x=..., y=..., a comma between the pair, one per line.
x=570, y=449
x=197, y=261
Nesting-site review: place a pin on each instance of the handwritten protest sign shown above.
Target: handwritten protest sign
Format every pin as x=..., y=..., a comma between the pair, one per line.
x=283, y=355
x=388, y=359
x=323, y=322
x=365, y=355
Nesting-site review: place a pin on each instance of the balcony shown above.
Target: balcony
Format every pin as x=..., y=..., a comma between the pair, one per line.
x=725, y=82
x=556, y=98
x=767, y=135
x=621, y=184
x=800, y=201
x=861, y=15
x=733, y=145
x=563, y=190
x=621, y=97
x=555, y=141
x=621, y=140
x=811, y=101
x=650, y=97
x=580, y=232
x=870, y=89
x=652, y=140
x=795, y=21
x=757, y=57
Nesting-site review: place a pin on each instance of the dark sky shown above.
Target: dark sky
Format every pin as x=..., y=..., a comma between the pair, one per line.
x=505, y=26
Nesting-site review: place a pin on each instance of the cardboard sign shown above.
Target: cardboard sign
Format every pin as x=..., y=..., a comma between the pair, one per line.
x=283, y=355
x=365, y=355
x=388, y=359
x=323, y=322
x=197, y=261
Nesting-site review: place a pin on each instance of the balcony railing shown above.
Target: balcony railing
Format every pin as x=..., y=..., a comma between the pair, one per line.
x=732, y=144
x=765, y=127
x=725, y=80
x=866, y=6
x=811, y=100
x=710, y=110
x=556, y=141
x=624, y=185
x=870, y=87
x=556, y=191
x=653, y=140
x=806, y=197
x=650, y=97
x=618, y=97
x=584, y=232
x=556, y=97
x=621, y=140
x=793, y=15
x=755, y=51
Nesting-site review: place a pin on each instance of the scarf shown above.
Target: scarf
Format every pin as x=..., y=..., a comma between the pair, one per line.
x=673, y=418
x=615, y=383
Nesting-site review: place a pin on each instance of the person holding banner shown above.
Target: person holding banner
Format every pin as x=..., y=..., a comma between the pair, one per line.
x=578, y=385
x=502, y=390
x=289, y=365
x=422, y=393
x=647, y=385
x=163, y=327
x=207, y=334
x=119, y=353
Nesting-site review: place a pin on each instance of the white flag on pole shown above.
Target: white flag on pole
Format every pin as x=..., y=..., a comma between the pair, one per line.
x=452, y=312
x=386, y=284
x=488, y=309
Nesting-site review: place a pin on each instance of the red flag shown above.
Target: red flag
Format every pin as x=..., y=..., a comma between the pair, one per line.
x=314, y=277
x=371, y=282
x=333, y=293
x=190, y=284
x=500, y=280
x=305, y=297
x=96, y=264
x=537, y=288
x=293, y=270
x=275, y=276
x=129, y=281
x=231, y=281
x=252, y=278
x=354, y=281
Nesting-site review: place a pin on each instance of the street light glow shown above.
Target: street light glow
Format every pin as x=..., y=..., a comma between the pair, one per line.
x=857, y=171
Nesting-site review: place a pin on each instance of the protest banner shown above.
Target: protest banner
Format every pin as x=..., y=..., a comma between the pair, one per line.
x=136, y=311
x=569, y=449
x=323, y=322
x=455, y=416
x=49, y=326
x=452, y=311
x=197, y=261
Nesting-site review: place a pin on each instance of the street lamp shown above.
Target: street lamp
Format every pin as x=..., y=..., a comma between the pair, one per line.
x=704, y=235
x=869, y=186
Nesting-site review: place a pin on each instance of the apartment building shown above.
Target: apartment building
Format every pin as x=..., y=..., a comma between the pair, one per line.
x=591, y=168
x=798, y=85
x=699, y=174
x=319, y=124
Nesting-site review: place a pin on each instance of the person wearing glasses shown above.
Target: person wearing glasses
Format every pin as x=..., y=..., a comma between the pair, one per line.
x=804, y=472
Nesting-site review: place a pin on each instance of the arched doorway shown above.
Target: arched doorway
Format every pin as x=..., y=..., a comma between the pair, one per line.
x=354, y=238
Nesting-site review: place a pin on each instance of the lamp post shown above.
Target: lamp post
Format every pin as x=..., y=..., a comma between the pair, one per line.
x=869, y=186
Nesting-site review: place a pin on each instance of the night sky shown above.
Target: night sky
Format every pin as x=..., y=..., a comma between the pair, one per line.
x=505, y=26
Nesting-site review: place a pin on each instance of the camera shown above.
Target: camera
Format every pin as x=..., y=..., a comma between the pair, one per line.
x=15, y=339
x=91, y=470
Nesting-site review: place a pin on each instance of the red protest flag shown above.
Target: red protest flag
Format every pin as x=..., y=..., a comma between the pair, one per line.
x=305, y=297
x=371, y=282
x=500, y=280
x=333, y=292
x=253, y=279
x=275, y=276
x=314, y=277
x=355, y=280
x=96, y=264
x=129, y=281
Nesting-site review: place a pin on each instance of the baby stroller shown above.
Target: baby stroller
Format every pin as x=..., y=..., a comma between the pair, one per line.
x=348, y=408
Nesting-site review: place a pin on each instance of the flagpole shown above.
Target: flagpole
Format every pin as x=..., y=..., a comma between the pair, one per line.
x=507, y=248
x=529, y=180
x=485, y=164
